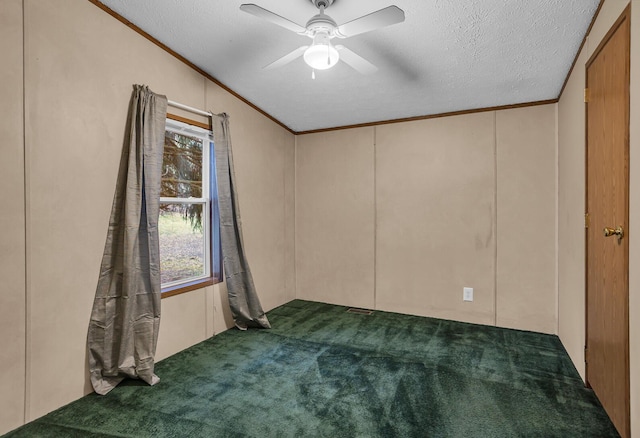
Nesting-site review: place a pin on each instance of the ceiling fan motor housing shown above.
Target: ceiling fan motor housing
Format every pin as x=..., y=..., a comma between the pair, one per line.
x=321, y=23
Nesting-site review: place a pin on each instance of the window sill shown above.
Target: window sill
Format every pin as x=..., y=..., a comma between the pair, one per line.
x=188, y=287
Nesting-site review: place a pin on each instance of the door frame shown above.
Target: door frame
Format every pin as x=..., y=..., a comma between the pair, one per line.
x=626, y=15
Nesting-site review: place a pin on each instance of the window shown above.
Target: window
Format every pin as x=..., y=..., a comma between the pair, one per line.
x=187, y=226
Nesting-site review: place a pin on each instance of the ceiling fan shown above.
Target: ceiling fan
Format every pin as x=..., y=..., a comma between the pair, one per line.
x=321, y=28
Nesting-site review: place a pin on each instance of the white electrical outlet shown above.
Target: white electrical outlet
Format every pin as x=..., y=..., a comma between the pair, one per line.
x=467, y=294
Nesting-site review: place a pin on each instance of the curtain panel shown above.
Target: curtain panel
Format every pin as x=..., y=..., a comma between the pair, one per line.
x=243, y=298
x=125, y=319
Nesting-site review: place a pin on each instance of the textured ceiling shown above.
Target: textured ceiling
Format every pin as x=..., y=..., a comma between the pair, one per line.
x=448, y=55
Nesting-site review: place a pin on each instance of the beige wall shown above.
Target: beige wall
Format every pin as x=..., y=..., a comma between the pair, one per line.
x=12, y=219
x=335, y=217
x=80, y=65
x=571, y=209
x=401, y=217
x=526, y=197
x=435, y=182
x=571, y=169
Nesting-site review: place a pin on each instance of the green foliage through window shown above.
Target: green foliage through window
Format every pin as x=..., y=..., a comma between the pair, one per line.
x=182, y=174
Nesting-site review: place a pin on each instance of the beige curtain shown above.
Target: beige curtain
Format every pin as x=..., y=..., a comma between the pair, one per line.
x=125, y=319
x=243, y=298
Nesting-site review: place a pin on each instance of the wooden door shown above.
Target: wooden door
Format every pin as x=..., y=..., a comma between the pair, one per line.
x=607, y=266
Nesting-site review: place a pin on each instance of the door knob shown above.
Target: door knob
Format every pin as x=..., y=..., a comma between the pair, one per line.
x=608, y=232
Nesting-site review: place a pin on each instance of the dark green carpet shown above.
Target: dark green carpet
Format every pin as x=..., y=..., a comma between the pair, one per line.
x=323, y=372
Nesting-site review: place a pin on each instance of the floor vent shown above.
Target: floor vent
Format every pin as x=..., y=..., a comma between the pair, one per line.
x=360, y=311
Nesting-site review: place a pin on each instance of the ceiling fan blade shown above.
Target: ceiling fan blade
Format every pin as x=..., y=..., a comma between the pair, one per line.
x=270, y=16
x=375, y=20
x=357, y=62
x=286, y=59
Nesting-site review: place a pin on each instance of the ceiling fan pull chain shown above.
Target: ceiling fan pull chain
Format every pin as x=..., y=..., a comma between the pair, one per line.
x=313, y=74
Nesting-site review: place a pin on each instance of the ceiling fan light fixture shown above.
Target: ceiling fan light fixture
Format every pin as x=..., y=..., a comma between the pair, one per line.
x=321, y=55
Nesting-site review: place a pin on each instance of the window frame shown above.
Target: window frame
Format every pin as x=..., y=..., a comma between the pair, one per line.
x=213, y=250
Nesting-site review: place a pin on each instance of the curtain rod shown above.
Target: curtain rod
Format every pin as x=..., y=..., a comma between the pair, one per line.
x=188, y=108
